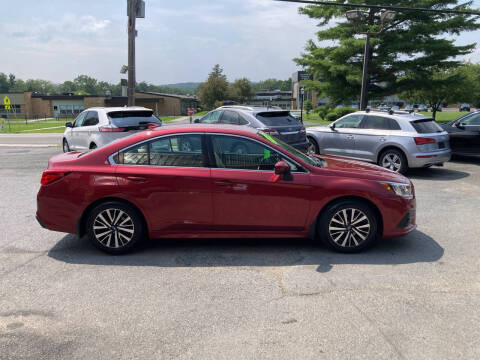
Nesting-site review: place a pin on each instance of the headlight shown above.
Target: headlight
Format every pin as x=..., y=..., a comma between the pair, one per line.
x=400, y=189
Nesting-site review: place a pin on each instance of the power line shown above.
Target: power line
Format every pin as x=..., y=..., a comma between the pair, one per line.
x=383, y=7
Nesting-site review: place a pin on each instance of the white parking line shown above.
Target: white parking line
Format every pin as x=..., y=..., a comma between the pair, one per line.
x=30, y=145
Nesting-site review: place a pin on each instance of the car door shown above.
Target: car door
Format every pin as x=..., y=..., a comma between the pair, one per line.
x=169, y=179
x=372, y=133
x=247, y=196
x=340, y=140
x=90, y=124
x=73, y=140
x=465, y=135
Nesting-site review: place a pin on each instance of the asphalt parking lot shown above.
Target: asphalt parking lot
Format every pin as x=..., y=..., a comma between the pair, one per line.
x=416, y=297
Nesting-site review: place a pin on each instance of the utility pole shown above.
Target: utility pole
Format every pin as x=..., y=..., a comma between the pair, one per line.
x=132, y=12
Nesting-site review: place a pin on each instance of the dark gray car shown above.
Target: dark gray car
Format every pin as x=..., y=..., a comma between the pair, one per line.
x=271, y=120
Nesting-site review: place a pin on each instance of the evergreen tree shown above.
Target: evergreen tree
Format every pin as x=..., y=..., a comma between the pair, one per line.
x=404, y=56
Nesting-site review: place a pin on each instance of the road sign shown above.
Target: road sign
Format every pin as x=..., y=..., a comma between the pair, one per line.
x=6, y=102
x=191, y=111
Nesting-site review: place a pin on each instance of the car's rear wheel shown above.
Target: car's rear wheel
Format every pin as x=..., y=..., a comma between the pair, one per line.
x=115, y=227
x=65, y=146
x=312, y=146
x=348, y=226
x=394, y=160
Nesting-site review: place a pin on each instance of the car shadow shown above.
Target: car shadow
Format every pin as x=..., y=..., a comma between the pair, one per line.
x=436, y=173
x=416, y=247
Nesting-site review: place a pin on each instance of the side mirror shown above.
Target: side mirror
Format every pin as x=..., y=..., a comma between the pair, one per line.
x=283, y=169
x=332, y=126
x=460, y=126
x=196, y=121
x=69, y=125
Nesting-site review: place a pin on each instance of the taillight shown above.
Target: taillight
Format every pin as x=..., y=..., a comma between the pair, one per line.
x=270, y=131
x=50, y=176
x=423, y=141
x=110, y=129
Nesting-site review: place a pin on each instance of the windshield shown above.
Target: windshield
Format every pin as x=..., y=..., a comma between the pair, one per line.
x=426, y=126
x=132, y=118
x=277, y=118
x=309, y=159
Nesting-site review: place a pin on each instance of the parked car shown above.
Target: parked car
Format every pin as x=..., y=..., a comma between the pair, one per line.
x=272, y=120
x=421, y=107
x=296, y=114
x=465, y=134
x=464, y=107
x=98, y=126
x=396, y=141
x=187, y=181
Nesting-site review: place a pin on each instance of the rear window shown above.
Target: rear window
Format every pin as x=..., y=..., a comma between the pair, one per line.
x=132, y=118
x=426, y=126
x=276, y=118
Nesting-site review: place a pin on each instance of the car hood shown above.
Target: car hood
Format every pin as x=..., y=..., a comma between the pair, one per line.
x=318, y=128
x=358, y=169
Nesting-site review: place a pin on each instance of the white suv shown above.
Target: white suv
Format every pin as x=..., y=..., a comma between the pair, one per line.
x=98, y=126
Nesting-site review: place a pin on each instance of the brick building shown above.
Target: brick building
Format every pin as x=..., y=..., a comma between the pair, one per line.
x=32, y=105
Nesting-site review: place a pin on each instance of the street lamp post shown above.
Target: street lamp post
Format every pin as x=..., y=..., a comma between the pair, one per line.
x=357, y=17
x=135, y=9
x=302, y=92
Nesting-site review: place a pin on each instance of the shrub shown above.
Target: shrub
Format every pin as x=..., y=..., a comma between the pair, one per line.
x=338, y=113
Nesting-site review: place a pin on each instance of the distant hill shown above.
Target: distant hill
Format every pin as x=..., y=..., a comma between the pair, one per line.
x=183, y=86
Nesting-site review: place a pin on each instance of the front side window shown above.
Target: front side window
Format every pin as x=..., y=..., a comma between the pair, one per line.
x=180, y=151
x=233, y=152
x=349, y=122
x=473, y=119
x=79, y=120
x=91, y=119
x=211, y=118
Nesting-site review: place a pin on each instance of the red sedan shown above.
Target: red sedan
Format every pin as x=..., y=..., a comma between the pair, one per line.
x=215, y=181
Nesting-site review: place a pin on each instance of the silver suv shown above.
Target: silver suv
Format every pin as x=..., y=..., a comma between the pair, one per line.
x=396, y=141
x=271, y=120
x=98, y=126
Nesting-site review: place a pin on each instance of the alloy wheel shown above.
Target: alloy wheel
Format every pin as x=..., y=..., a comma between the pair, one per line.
x=113, y=228
x=311, y=149
x=392, y=161
x=349, y=227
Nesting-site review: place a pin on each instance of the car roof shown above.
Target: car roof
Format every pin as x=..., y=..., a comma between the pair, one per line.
x=119, y=108
x=397, y=115
x=220, y=128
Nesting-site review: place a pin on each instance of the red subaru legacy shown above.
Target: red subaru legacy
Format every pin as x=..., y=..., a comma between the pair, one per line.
x=220, y=181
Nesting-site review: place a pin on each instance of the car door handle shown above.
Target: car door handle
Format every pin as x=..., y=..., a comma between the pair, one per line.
x=137, y=179
x=223, y=183
x=350, y=137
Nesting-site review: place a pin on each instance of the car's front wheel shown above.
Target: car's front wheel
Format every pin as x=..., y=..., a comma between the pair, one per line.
x=312, y=146
x=348, y=226
x=115, y=227
x=65, y=146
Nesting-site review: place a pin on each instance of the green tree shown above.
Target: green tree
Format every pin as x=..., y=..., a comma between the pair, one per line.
x=241, y=90
x=471, y=93
x=402, y=56
x=4, y=84
x=86, y=84
x=273, y=84
x=308, y=106
x=214, y=89
x=442, y=86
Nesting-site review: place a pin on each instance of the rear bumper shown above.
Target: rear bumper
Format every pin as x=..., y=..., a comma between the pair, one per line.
x=302, y=146
x=417, y=160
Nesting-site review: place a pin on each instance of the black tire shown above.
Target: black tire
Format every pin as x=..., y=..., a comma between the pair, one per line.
x=394, y=160
x=93, y=146
x=117, y=236
x=353, y=238
x=239, y=148
x=312, y=146
x=65, y=146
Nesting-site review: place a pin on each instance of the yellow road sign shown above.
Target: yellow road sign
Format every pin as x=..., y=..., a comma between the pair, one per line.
x=6, y=102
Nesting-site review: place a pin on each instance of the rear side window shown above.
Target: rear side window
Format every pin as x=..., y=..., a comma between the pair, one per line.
x=277, y=118
x=132, y=118
x=180, y=151
x=426, y=126
x=380, y=123
x=91, y=119
x=231, y=117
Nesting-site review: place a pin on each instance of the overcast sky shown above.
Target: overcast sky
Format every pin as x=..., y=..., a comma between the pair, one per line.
x=178, y=41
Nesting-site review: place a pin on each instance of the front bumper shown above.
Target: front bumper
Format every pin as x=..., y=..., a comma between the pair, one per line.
x=417, y=160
